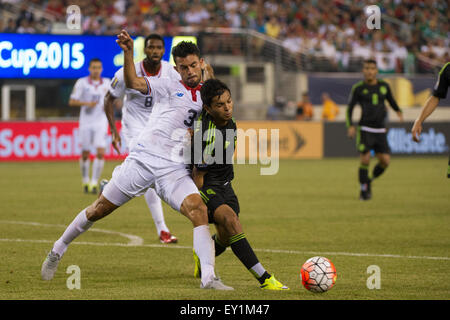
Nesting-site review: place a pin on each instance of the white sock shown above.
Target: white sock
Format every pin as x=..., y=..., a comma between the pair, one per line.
x=97, y=168
x=79, y=225
x=258, y=270
x=204, y=248
x=84, y=166
x=155, y=206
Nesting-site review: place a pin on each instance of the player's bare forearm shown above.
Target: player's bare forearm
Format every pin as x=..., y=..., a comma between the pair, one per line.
x=109, y=111
x=207, y=72
x=430, y=106
x=129, y=71
x=428, y=109
x=351, y=131
x=77, y=103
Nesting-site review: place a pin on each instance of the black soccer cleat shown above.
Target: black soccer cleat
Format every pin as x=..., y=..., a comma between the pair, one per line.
x=369, y=189
x=365, y=193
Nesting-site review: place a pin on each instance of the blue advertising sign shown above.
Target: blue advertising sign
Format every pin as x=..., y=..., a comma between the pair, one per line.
x=66, y=56
x=434, y=140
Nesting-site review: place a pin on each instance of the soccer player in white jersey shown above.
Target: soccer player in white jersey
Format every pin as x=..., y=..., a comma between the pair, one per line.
x=156, y=160
x=88, y=93
x=135, y=112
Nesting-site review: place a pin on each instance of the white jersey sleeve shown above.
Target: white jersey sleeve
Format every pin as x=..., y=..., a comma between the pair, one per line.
x=173, y=74
x=77, y=91
x=158, y=87
x=117, y=86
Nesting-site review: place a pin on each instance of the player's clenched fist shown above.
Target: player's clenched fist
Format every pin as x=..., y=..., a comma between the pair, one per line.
x=124, y=41
x=416, y=131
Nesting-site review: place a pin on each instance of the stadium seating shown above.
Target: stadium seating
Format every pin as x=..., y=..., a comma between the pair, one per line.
x=414, y=35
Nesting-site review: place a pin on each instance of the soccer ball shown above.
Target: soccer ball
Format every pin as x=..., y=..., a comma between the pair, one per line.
x=318, y=274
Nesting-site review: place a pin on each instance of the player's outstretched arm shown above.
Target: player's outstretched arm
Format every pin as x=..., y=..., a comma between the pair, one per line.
x=129, y=71
x=109, y=111
x=428, y=109
x=77, y=103
x=207, y=72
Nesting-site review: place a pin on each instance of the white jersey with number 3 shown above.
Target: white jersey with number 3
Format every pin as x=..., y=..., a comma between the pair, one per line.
x=166, y=130
x=137, y=106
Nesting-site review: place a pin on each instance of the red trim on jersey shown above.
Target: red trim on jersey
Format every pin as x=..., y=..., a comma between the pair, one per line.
x=90, y=81
x=157, y=73
x=192, y=90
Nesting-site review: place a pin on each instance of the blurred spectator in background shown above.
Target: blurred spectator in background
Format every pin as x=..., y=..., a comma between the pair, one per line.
x=10, y=27
x=25, y=27
x=276, y=111
x=272, y=27
x=305, y=109
x=330, y=110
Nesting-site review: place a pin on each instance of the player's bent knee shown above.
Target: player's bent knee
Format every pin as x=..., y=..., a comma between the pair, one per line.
x=385, y=161
x=195, y=210
x=226, y=217
x=100, y=154
x=232, y=224
x=100, y=209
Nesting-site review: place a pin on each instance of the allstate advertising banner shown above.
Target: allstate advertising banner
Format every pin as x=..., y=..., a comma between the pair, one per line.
x=45, y=141
x=291, y=139
x=435, y=139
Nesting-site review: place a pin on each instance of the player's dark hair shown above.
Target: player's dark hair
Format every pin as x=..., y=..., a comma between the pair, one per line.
x=370, y=61
x=153, y=36
x=94, y=60
x=212, y=88
x=185, y=48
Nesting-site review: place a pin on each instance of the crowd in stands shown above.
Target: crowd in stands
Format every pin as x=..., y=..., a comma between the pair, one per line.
x=334, y=29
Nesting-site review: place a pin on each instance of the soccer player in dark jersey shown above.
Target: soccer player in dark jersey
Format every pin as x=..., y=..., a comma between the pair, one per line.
x=213, y=145
x=370, y=133
x=439, y=92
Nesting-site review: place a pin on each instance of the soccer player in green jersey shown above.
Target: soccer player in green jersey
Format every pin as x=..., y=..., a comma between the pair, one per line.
x=213, y=145
x=439, y=92
x=370, y=133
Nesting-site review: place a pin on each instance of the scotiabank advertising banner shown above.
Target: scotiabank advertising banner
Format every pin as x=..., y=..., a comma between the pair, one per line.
x=59, y=140
x=41, y=141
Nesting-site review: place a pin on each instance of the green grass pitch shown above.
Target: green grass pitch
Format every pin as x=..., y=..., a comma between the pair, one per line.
x=309, y=208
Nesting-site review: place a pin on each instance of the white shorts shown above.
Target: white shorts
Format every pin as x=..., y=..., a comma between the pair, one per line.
x=172, y=181
x=93, y=137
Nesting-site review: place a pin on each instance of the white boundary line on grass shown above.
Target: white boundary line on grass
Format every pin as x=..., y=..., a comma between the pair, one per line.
x=132, y=239
x=136, y=241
